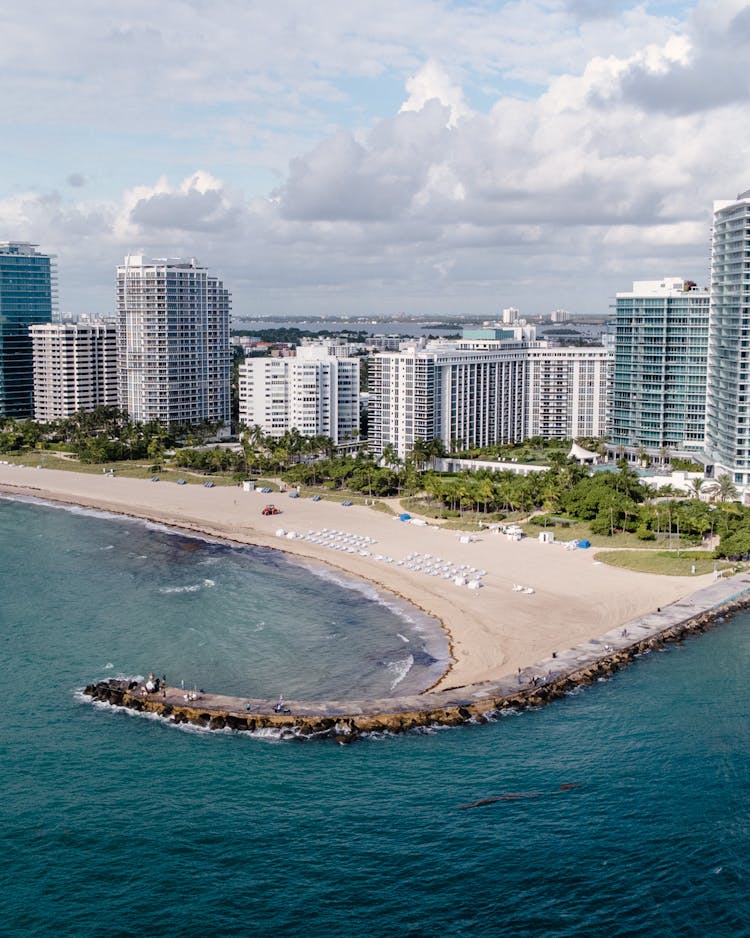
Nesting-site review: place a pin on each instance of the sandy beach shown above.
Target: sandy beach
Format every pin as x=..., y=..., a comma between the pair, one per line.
x=494, y=630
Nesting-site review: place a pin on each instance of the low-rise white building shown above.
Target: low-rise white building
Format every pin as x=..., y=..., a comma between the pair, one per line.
x=314, y=393
x=75, y=367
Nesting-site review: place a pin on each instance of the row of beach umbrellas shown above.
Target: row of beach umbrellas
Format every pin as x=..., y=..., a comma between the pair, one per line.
x=428, y=564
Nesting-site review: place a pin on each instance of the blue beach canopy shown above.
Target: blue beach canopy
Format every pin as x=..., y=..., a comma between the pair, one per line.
x=404, y=517
x=584, y=543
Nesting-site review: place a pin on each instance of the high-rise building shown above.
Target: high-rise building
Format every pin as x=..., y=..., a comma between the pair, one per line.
x=728, y=391
x=477, y=393
x=174, y=351
x=567, y=392
x=658, y=399
x=75, y=367
x=27, y=296
x=314, y=393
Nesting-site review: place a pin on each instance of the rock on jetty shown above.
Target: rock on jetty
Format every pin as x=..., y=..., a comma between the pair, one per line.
x=536, y=686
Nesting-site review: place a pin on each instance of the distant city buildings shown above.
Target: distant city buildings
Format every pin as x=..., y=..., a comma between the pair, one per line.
x=27, y=296
x=315, y=393
x=559, y=315
x=75, y=367
x=174, y=352
x=658, y=400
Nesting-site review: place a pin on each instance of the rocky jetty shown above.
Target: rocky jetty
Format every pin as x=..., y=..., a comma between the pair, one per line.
x=345, y=721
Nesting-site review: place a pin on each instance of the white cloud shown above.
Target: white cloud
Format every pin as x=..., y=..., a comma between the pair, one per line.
x=431, y=83
x=559, y=198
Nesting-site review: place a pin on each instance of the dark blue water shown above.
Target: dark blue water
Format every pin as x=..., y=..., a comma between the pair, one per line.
x=114, y=823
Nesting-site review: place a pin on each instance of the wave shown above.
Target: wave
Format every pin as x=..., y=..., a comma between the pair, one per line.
x=399, y=669
x=192, y=588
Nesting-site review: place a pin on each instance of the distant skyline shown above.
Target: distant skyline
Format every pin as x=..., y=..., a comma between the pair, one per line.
x=365, y=158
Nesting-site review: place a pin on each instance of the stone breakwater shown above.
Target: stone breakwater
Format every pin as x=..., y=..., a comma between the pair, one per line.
x=535, y=686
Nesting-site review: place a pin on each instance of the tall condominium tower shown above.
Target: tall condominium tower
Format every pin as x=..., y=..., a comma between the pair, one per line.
x=659, y=382
x=314, y=393
x=174, y=352
x=27, y=293
x=728, y=392
x=75, y=367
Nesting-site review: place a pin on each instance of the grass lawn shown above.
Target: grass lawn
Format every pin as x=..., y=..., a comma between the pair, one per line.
x=578, y=531
x=663, y=561
x=130, y=469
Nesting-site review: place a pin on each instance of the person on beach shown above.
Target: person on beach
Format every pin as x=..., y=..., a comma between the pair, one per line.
x=279, y=705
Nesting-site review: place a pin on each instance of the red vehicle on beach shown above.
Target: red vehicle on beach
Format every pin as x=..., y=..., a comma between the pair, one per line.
x=271, y=510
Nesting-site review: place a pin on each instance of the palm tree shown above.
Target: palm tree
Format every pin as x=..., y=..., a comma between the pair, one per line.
x=390, y=456
x=724, y=489
x=695, y=487
x=436, y=449
x=420, y=453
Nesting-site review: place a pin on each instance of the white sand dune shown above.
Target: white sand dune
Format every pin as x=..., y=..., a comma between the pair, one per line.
x=494, y=630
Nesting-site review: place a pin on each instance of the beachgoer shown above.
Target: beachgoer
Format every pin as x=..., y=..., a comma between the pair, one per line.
x=279, y=705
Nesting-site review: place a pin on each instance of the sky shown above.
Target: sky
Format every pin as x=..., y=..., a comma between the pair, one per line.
x=355, y=157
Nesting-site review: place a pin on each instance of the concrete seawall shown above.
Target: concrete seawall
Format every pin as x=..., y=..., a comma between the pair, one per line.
x=345, y=720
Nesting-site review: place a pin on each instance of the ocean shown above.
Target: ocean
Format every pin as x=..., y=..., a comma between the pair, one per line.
x=620, y=810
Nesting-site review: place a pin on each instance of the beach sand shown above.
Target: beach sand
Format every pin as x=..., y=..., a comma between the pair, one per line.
x=493, y=630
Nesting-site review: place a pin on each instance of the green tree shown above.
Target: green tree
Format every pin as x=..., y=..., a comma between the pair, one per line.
x=724, y=490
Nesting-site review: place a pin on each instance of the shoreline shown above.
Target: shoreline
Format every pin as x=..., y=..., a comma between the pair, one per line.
x=491, y=631
x=347, y=721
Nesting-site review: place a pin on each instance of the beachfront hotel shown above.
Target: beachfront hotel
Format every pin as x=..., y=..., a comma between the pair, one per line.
x=75, y=367
x=728, y=391
x=658, y=402
x=27, y=296
x=315, y=393
x=477, y=392
x=173, y=335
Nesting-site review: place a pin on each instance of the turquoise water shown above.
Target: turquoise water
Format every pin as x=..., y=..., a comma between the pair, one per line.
x=111, y=823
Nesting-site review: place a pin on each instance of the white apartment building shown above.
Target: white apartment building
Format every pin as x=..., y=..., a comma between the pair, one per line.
x=75, y=367
x=476, y=393
x=315, y=393
x=174, y=350
x=567, y=392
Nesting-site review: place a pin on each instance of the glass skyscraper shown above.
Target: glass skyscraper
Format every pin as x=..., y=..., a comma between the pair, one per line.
x=26, y=297
x=658, y=401
x=728, y=399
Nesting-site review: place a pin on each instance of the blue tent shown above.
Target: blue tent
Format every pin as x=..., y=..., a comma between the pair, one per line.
x=584, y=543
x=404, y=517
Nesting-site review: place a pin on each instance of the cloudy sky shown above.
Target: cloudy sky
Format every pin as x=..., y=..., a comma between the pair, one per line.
x=353, y=156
